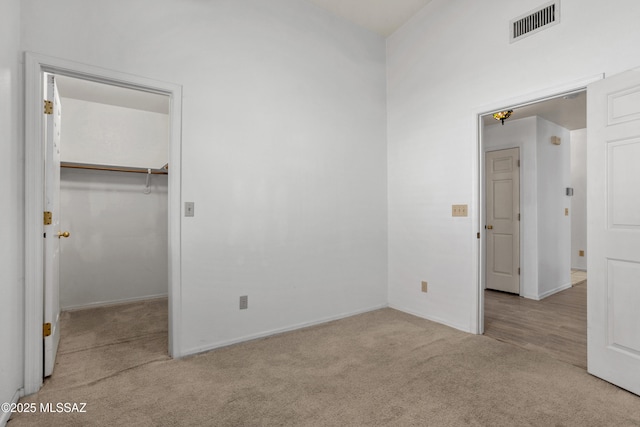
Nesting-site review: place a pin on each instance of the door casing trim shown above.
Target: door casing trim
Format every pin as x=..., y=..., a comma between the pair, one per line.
x=35, y=66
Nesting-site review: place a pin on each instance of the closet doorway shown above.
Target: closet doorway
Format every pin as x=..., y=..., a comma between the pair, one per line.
x=113, y=208
x=87, y=180
x=113, y=194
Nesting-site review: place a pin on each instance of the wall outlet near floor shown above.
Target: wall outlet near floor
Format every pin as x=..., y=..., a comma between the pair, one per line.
x=424, y=286
x=580, y=253
x=244, y=302
x=459, y=210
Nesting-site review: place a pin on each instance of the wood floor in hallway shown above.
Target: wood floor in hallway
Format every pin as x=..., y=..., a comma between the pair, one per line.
x=556, y=325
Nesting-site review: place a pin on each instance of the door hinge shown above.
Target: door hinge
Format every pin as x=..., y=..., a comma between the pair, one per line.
x=47, y=218
x=48, y=107
x=518, y=271
x=518, y=217
x=478, y=235
x=46, y=329
x=518, y=163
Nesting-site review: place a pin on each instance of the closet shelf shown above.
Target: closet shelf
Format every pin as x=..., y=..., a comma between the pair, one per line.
x=73, y=165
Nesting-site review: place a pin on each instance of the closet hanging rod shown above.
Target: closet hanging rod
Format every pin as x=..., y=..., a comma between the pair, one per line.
x=73, y=165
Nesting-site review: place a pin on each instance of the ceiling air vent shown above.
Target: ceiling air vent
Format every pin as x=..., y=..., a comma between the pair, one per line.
x=534, y=21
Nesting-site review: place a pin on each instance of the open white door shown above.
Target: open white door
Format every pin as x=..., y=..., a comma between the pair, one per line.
x=52, y=224
x=613, y=229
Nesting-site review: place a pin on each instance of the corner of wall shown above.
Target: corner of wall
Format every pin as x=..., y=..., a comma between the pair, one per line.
x=11, y=191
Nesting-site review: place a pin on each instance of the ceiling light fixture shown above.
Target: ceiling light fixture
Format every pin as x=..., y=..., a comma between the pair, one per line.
x=502, y=115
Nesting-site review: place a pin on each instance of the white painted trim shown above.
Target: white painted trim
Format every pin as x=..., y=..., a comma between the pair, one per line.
x=477, y=216
x=536, y=96
x=220, y=344
x=553, y=291
x=35, y=65
x=113, y=302
x=432, y=319
x=33, y=245
x=4, y=416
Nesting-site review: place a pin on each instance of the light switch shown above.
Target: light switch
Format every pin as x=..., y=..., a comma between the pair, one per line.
x=189, y=208
x=459, y=210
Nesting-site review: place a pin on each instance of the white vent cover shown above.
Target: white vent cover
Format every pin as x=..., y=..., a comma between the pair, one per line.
x=534, y=21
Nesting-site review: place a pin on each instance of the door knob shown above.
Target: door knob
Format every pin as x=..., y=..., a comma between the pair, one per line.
x=489, y=227
x=65, y=234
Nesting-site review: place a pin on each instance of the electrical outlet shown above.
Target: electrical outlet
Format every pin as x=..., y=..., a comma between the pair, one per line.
x=459, y=210
x=580, y=253
x=189, y=208
x=244, y=302
x=424, y=286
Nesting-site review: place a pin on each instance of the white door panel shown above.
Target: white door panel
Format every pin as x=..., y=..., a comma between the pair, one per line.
x=613, y=212
x=503, y=228
x=52, y=239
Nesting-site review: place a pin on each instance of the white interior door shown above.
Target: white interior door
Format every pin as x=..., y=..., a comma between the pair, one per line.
x=52, y=230
x=613, y=229
x=502, y=183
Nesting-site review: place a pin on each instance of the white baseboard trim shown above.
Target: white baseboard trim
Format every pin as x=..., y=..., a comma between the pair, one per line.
x=202, y=349
x=466, y=329
x=554, y=291
x=4, y=416
x=110, y=303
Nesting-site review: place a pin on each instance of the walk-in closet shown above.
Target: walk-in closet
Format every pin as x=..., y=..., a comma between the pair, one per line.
x=113, y=202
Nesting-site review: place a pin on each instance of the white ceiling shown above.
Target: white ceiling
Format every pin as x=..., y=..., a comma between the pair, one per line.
x=86, y=90
x=380, y=16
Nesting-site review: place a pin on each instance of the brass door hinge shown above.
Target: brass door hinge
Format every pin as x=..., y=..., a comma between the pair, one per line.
x=518, y=217
x=478, y=235
x=48, y=107
x=518, y=271
x=47, y=218
x=46, y=329
x=518, y=163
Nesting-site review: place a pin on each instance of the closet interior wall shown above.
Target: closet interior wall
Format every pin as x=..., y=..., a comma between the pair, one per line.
x=117, y=250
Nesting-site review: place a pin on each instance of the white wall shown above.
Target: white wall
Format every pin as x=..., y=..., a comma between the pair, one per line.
x=12, y=224
x=554, y=227
x=117, y=250
x=544, y=174
x=521, y=133
x=452, y=59
x=579, y=199
x=283, y=150
x=112, y=135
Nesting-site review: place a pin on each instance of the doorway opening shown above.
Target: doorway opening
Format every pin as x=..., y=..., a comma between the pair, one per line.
x=531, y=294
x=83, y=181
x=113, y=208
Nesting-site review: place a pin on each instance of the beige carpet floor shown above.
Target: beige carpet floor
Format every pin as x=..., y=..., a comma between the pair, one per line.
x=379, y=368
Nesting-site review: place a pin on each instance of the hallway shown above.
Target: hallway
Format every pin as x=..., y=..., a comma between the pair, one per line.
x=556, y=325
